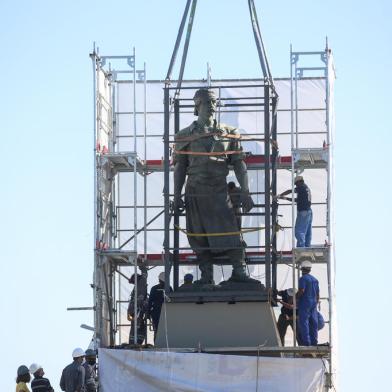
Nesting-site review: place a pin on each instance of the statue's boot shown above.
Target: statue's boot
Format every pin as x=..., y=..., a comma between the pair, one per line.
x=206, y=269
x=237, y=258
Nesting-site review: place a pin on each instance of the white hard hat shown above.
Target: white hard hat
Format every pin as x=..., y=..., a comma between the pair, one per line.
x=34, y=367
x=291, y=292
x=78, y=352
x=161, y=276
x=298, y=178
x=306, y=264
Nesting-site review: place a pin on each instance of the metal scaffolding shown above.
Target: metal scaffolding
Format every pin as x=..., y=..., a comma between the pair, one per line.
x=109, y=163
x=125, y=219
x=117, y=236
x=305, y=159
x=265, y=103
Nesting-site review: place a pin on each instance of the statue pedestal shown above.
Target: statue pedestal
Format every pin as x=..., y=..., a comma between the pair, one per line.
x=199, y=320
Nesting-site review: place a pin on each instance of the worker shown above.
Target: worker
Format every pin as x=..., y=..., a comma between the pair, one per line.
x=39, y=383
x=308, y=296
x=286, y=313
x=73, y=375
x=141, y=308
x=234, y=194
x=303, y=223
x=90, y=378
x=22, y=379
x=204, y=153
x=155, y=301
x=188, y=281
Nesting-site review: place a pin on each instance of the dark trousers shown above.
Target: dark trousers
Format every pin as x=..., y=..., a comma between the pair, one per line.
x=141, y=331
x=155, y=321
x=283, y=323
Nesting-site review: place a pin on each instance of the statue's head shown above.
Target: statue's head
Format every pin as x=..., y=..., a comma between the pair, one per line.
x=205, y=99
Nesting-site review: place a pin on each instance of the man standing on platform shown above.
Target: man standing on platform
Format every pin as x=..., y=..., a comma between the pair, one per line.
x=140, y=309
x=204, y=151
x=303, y=223
x=73, y=376
x=91, y=383
x=286, y=313
x=155, y=301
x=308, y=296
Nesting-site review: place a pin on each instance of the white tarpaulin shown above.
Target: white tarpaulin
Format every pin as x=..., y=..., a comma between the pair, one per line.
x=127, y=370
x=312, y=134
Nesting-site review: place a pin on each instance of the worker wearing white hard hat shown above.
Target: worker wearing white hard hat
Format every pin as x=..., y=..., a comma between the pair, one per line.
x=286, y=312
x=78, y=352
x=39, y=383
x=308, y=297
x=73, y=375
x=34, y=367
x=291, y=292
x=306, y=264
x=303, y=223
x=156, y=300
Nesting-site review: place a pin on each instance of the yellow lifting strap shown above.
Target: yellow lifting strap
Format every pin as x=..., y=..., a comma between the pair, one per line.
x=217, y=234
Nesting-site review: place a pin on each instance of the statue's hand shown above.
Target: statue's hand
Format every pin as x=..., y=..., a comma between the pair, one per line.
x=247, y=202
x=179, y=205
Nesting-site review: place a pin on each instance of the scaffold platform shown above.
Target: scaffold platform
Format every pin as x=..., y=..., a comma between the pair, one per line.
x=306, y=159
x=310, y=158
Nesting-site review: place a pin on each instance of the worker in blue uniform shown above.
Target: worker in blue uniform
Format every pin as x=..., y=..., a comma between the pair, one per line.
x=303, y=223
x=308, y=296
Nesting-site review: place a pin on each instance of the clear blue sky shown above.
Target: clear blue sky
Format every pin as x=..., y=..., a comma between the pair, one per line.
x=46, y=155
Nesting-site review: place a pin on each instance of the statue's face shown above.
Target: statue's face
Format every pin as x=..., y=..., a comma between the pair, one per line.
x=207, y=107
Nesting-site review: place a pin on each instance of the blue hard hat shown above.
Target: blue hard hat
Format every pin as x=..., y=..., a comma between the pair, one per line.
x=188, y=277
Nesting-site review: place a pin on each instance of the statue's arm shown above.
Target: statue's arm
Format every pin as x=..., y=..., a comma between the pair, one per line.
x=180, y=162
x=179, y=175
x=241, y=174
x=179, y=180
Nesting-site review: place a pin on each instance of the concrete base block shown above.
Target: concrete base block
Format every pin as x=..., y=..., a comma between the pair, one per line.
x=217, y=324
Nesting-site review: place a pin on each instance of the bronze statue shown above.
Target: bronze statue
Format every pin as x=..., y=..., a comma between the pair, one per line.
x=203, y=153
